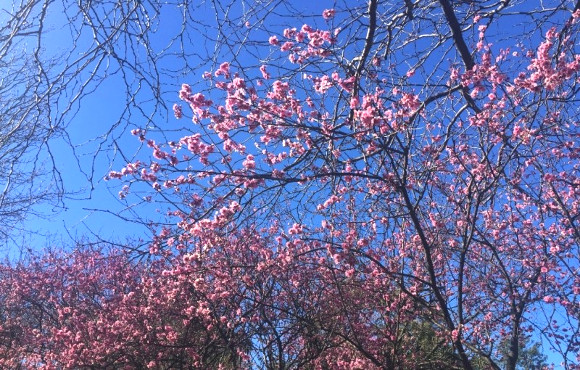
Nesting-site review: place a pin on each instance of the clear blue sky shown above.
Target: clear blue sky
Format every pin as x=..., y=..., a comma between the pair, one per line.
x=98, y=111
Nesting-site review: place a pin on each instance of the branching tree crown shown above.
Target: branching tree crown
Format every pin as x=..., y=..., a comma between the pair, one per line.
x=345, y=184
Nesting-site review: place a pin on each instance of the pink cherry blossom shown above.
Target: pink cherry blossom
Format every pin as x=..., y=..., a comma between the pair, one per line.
x=328, y=13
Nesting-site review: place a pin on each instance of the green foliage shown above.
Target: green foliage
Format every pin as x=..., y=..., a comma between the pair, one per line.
x=530, y=355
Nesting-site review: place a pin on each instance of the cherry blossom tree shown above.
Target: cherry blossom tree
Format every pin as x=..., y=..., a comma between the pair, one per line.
x=92, y=309
x=407, y=151
x=343, y=189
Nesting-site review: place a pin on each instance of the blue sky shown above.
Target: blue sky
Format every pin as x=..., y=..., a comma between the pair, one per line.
x=94, y=208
